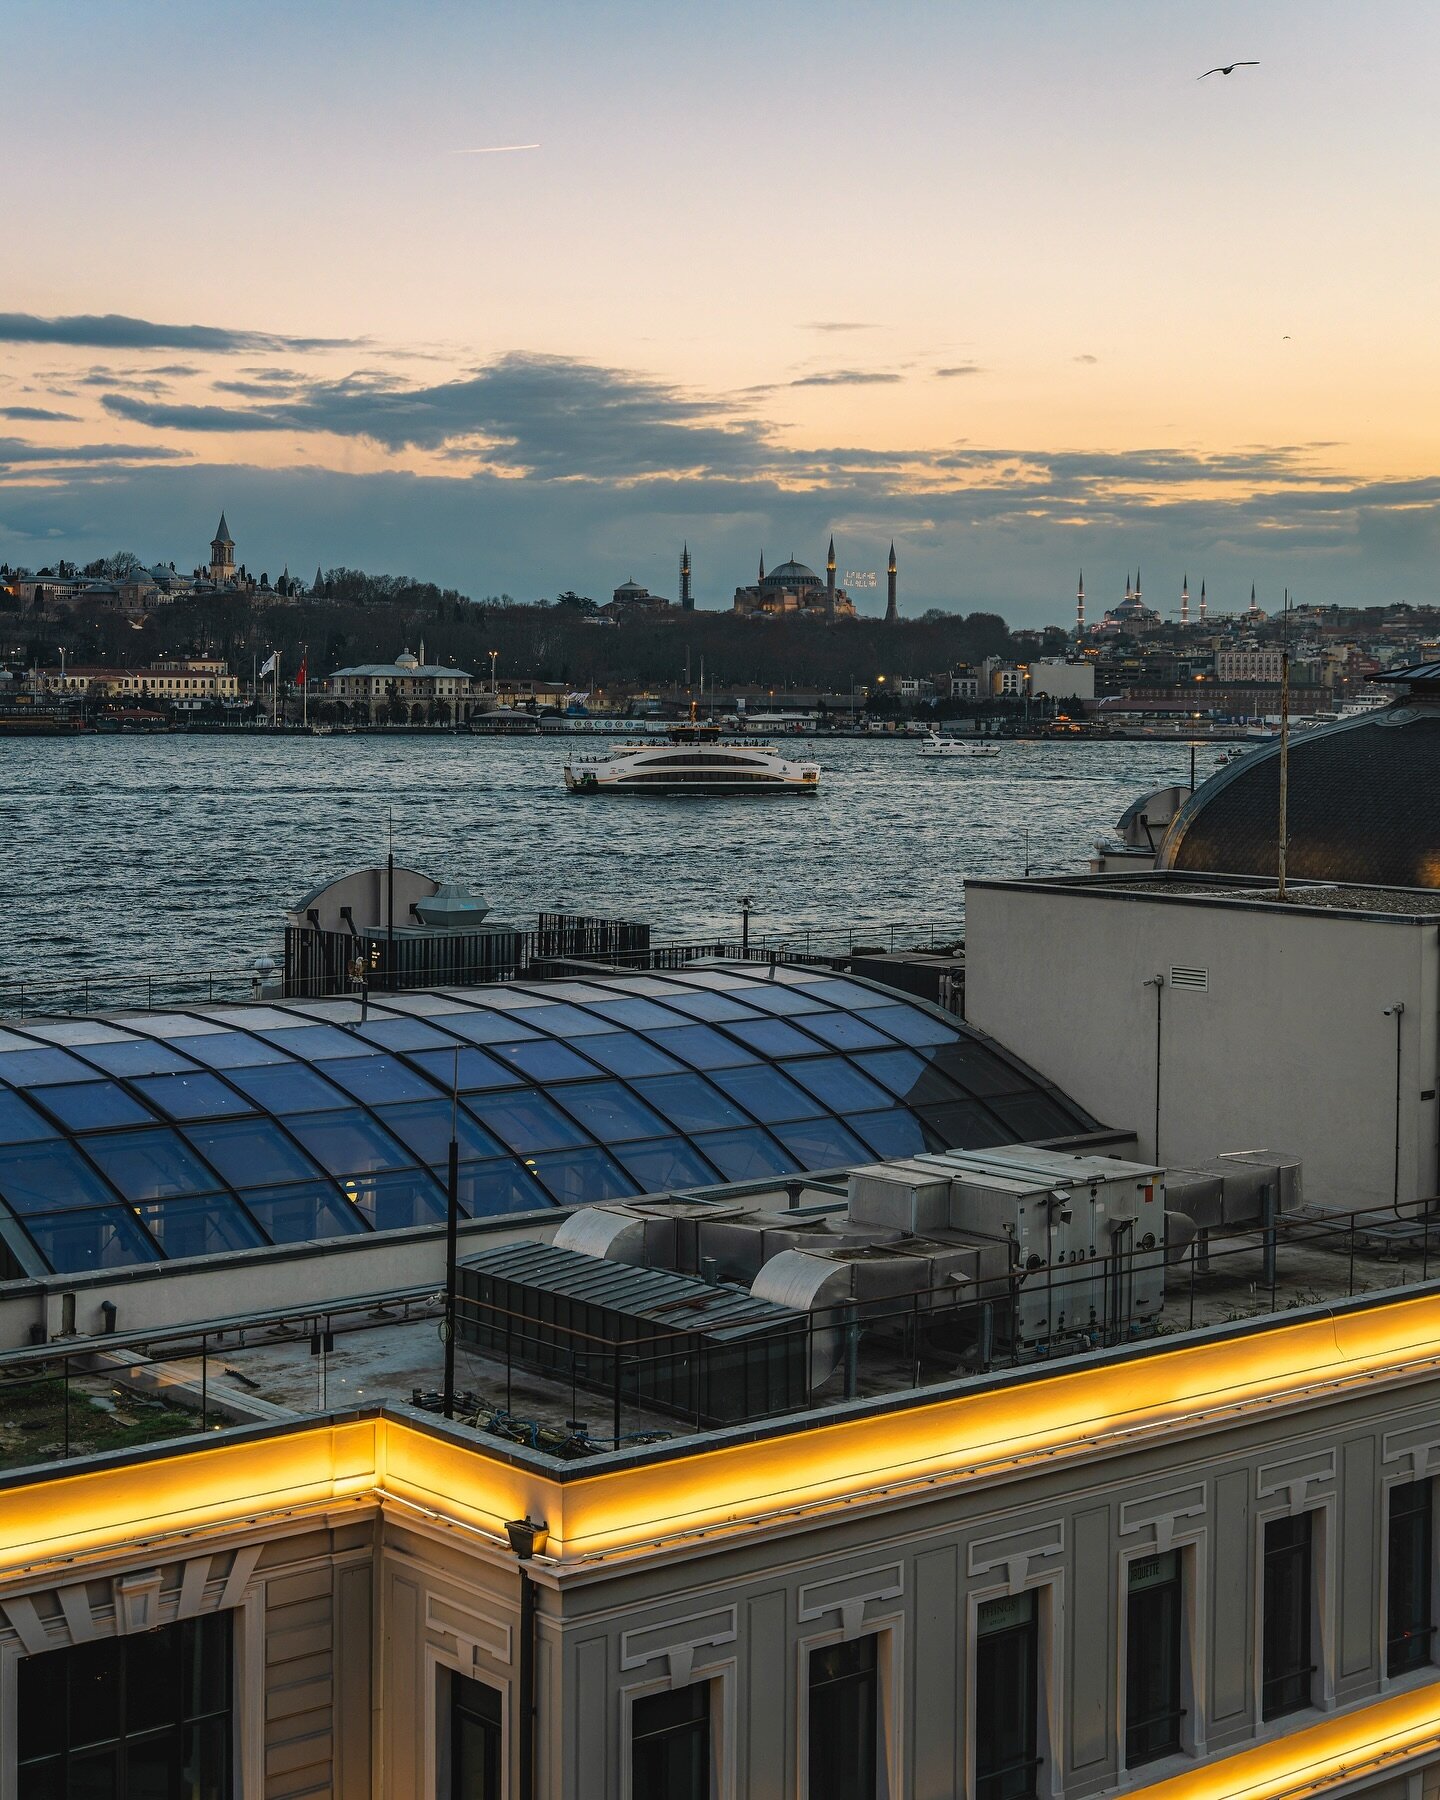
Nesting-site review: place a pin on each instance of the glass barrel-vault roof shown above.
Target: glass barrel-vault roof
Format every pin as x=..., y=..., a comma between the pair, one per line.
x=151, y=1136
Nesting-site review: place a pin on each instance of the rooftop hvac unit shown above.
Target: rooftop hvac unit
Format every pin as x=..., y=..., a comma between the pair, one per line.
x=647, y=1337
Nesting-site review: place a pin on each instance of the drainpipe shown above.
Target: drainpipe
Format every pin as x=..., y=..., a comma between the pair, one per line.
x=1158, y=983
x=526, y=1538
x=1397, y=1012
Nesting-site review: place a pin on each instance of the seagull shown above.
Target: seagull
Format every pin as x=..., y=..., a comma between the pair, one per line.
x=1228, y=69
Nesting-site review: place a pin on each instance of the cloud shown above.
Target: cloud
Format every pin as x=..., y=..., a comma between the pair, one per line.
x=36, y=413
x=15, y=452
x=839, y=325
x=959, y=369
x=846, y=378
x=114, y=331
x=1086, y=358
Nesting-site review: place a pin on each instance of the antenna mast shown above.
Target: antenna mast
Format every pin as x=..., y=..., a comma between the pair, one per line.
x=1280, y=855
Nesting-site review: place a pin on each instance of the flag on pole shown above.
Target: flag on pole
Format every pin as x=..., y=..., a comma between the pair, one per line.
x=304, y=665
x=268, y=667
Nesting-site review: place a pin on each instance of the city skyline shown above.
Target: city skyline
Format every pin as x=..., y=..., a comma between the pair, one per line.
x=1042, y=301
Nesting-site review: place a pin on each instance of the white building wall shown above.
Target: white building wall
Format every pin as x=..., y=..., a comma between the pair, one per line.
x=1286, y=1048
x=1063, y=680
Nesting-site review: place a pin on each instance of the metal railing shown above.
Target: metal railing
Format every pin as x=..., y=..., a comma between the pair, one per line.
x=79, y=1396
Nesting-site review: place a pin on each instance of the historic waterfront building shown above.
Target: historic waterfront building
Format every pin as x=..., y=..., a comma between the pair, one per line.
x=407, y=680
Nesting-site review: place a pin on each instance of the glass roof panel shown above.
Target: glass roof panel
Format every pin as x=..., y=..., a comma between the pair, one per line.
x=665, y=1163
x=701, y=1047
x=893, y=1132
x=573, y=1176
x=174, y=1025
x=35, y=1068
x=526, y=1122
x=965, y=1125
x=251, y=1152
x=50, y=1177
x=105, y=1237
x=488, y=1188
x=912, y=1077
x=746, y=1155
x=396, y=1199
x=911, y=1025
x=200, y=1227
x=252, y=1018
x=634, y=1011
x=622, y=1054
x=978, y=1070
x=776, y=999
x=821, y=1144
x=197, y=1096
x=609, y=1111
x=489, y=1028
x=563, y=1021
x=851, y=994
x=288, y=1087
x=842, y=1032
x=473, y=1069
x=838, y=1083
x=348, y=1143
x=302, y=1211
x=74, y=1031
x=424, y=1127
x=376, y=1079
x=313, y=1041
x=546, y=1061
x=137, y=1056
x=403, y=1034
x=234, y=1050
x=716, y=1008
x=151, y=1165
x=767, y=1093
x=690, y=1102
x=92, y=1105
x=19, y=1121
x=773, y=1037
x=1030, y=1117
x=711, y=978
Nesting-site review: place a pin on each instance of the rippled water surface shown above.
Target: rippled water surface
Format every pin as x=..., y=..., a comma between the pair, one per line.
x=158, y=853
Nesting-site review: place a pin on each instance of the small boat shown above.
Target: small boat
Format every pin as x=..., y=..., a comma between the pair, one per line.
x=935, y=745
x=695, y=761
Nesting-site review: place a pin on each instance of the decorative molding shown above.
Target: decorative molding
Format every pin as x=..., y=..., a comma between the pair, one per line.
x=1015, y=1552
x=1419, y=1445
x=1163, y=1513
x=678, y=1640
x=1304, y=1480
x=849, y=1594
x=469, y=1632
x=137, y=1601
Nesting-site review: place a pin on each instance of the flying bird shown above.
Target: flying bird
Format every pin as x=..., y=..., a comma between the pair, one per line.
x=1228, y=69
x=496, y=149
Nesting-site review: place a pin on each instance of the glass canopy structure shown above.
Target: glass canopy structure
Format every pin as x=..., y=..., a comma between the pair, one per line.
x=152, y=1136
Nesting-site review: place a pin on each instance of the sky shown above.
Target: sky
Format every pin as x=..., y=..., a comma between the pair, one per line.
x=1005, y=284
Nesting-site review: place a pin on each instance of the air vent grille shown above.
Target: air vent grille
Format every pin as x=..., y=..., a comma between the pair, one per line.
x=1198, y=979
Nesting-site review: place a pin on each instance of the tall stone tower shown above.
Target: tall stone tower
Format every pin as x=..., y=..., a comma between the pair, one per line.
x=687, y=599
x=892, y=610
x=1080, y=608
x=1185, y=603
x=830, y=583
x=222, y=555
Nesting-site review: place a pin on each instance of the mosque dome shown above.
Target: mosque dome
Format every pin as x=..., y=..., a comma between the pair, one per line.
x=792, y=575
x=1360, y=805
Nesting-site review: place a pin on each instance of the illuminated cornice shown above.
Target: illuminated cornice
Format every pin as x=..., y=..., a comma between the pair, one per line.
x=695, y=1491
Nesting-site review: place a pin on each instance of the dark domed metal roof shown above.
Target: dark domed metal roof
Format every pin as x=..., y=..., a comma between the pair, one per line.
x=1363, y=805
x=791, y=574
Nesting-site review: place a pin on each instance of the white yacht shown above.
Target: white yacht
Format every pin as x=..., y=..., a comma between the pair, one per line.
x=695, y=761
x=934, y=745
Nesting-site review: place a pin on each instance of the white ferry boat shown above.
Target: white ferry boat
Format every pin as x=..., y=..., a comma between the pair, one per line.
x=935, y=745
x=694, y=761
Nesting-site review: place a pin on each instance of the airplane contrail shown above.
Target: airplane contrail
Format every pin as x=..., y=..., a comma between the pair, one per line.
x=496, y=149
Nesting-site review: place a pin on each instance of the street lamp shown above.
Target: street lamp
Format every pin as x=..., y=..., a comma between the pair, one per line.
x=494, y=656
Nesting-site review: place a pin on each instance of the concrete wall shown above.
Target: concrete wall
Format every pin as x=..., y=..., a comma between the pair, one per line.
x=1286, y=1048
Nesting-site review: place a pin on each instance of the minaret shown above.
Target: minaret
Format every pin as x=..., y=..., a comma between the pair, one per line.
x=762, y=565
x=1185, y=604
x=830, y=582
x=222, y=555
x=1137, y=584
x=892, y=611
x=1202, y=602
x=687, y=599
x=1251, y=613
x=1080, y=608
x=319, y=580
x=1128, y=589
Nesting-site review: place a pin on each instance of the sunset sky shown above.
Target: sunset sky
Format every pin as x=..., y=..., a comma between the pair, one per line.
x=1004, y=282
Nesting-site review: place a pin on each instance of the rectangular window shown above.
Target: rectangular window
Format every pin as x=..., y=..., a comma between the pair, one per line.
x=1287, y=1667
x=670, y=1744
x=844, y=1721
x=141, y=1715
x=1007, y=1699
x=1410, y=1614
x=1155, y=1614
x=474, y=1740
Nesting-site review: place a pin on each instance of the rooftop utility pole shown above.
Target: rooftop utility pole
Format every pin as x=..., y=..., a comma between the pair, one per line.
x=1280, y=856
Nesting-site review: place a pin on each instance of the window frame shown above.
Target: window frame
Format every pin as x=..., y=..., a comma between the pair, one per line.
x=1322, y=1541
x=722, y=1678
x=1049, y=1590
x=440, y=1665
x=889, y=1631
x=1402, y=1474
x=1192, y=1547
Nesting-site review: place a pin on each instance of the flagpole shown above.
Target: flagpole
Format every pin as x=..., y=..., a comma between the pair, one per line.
x=305, y=688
